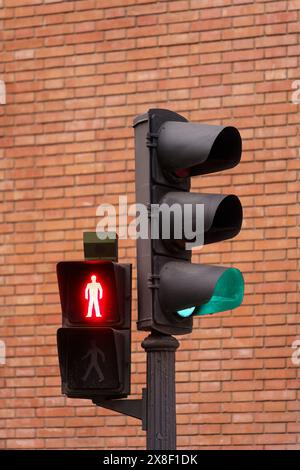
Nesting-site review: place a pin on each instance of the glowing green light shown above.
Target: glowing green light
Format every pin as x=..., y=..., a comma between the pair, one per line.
x=187, y=312
x=228, y=294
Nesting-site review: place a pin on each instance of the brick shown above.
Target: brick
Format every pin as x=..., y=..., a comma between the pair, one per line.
x=76, y=75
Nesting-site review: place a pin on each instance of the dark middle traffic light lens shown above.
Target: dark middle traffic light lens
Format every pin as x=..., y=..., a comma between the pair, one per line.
x=223, y=215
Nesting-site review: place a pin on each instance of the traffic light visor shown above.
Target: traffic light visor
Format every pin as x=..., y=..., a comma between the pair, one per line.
x=228, y=294
x=188, y=149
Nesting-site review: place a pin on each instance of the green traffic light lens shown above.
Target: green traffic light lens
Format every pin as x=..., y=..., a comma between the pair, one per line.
x=228, y=294
x=187, y=312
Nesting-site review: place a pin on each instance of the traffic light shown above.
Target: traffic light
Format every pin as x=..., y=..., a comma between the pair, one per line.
x=94, y=341
x=169, y=150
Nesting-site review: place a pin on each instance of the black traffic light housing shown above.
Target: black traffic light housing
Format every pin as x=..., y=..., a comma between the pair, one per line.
x=169, y=151
x=94, y=348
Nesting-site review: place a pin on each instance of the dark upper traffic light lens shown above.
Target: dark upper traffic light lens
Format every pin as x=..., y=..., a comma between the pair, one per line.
x=187, y=149
x=225, y=153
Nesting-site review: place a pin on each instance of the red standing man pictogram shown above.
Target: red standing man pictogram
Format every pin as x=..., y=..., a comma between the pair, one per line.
x=93, y=293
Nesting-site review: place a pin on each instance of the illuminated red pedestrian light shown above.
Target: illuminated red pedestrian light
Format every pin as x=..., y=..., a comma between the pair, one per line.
x=94, y=341
x=93, y=293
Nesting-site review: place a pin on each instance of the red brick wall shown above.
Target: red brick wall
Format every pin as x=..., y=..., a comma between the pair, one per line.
x=76, y=74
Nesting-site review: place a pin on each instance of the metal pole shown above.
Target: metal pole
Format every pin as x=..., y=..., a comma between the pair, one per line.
x=161, y=401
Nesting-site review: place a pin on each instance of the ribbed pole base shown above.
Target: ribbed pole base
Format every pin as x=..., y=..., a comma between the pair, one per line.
x=161, y=400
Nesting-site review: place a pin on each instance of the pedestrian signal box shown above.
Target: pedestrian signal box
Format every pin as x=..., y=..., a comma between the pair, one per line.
x=94, y=342
x=94, y=293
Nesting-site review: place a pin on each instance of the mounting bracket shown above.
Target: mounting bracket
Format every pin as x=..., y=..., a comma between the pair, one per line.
x=135, y=408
